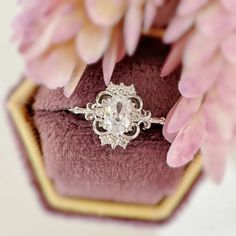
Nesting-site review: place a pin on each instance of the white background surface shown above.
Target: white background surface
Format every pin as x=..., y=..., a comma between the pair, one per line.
x=210, y=211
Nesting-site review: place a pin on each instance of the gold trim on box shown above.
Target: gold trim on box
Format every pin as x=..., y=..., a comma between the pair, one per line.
x=18, y=110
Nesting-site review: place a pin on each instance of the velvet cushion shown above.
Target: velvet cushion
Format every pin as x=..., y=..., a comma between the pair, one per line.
x=74, y=158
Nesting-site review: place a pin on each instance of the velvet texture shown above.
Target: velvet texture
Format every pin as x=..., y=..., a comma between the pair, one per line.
x=73, y=156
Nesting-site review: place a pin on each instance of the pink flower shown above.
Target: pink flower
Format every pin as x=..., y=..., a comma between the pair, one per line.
x=203, y=34
x=58, y=38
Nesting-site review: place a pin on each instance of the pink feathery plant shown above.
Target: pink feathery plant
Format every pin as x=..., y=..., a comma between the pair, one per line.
x=58, y=38
x=203, y=34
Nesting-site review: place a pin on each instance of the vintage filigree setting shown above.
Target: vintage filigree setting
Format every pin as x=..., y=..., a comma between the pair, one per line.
x=117, y=115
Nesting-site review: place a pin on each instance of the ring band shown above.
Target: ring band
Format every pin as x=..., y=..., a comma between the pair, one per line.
x=117, y=115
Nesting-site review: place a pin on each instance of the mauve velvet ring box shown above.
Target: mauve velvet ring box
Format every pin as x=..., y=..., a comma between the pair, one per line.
x=75, y=174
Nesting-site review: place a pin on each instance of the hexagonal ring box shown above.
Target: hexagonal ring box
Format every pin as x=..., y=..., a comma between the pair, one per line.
x=75, y=174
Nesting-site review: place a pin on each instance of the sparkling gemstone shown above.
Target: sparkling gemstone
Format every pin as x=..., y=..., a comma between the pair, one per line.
x=117, y=116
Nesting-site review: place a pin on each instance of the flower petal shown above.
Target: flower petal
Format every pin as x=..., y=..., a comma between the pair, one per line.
x=111, y=56
x=42, y=43
x=214, y=155
x=108, y=64
x=149, y=15
x=92, y=41
x=175, y=56
x=170, y=136
x=105, y=12
x=215, y=22
x=196, y=82
x=187, y=7
x=220, y=131
x=187, y=143
x=177, y=28
x=226, y=88
x=68, y=24
x=28, y=24
x=185, y=110
x=228, y=48
x=61, y=26
x=199, y=51
x=53, y=68
x=132, y=27
x=219, y=122
x=76, y=75
x=229, y=5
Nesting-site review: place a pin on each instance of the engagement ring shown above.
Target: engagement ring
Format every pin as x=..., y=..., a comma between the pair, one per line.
x=117, y=115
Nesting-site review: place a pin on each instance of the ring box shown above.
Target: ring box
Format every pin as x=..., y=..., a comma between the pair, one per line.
x=140, y=187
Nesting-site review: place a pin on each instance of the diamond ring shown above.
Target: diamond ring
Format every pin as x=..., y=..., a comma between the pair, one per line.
x=117, y=115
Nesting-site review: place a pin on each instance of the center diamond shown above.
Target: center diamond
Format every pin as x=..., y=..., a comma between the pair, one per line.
x=117, y=116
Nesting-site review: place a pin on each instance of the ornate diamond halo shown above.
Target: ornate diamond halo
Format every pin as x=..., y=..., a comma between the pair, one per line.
x=117, y=115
